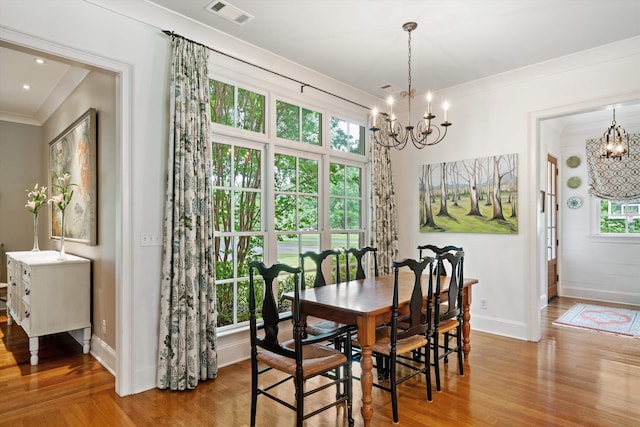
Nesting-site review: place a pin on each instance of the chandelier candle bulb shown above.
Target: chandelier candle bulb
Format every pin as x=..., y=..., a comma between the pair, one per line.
x=445, y=107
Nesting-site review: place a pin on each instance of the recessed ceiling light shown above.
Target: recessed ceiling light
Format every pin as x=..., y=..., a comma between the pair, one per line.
x=40, y=61
x=26, y=86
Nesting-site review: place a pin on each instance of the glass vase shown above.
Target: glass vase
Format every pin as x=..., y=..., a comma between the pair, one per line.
x=62, y=255
x=36, y=247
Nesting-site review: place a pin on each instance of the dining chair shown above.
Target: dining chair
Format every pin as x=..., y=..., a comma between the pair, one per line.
x=359, y=254
x=438, y=251
x=317, y=258
x=448, y=314
x=393, y=343
x=300, y=359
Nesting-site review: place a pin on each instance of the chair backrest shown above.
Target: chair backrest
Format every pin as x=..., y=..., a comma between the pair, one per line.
x=359, y=254
x=439, y=251
x=418, y=320
x=453, y=306
x=270, y=315
x=318, y=259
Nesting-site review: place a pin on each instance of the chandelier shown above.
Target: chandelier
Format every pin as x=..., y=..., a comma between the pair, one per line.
x=391, y=133
x=614, y=142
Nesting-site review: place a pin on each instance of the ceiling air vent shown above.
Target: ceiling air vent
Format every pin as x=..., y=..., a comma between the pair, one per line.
x=229, y=12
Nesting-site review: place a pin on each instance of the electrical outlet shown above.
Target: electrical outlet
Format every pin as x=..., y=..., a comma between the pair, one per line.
x=484, y=304
x=104, y=326
x=150, y=239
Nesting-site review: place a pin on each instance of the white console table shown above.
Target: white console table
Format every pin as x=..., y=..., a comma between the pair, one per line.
x=47, y=296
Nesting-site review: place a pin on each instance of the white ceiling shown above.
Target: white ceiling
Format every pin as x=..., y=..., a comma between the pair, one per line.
x=361, y=42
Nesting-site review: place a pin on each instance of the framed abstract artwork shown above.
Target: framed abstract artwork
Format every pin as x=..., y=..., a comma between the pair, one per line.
x=74, y=152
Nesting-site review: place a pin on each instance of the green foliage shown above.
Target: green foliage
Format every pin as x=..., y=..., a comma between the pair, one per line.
x=347, y=137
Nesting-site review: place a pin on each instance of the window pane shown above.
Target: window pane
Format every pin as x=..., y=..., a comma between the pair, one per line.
x=336, y=179
x=347, y=137
x=247, y=168
x=336, y=213
x=288, y=249
x=224, y=300
x=285, y=284
x=353, y=214
x=285, y=173
x=285, y=212
x=247, y=211
x=634, y=226
x=250, y=248
x=339, y=240
x=221, y=158
x=221, y=102
x=311, y=127
x=308, y=175
x=611, y=225
x=353, y=181
x=308, y=213
x=243, y=300
x=222, y=210
x=250, y=111
x=224, y=257
x=287, y=121
x=310, y=242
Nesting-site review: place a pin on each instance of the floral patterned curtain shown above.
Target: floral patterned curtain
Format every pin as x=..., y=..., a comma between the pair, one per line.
x=612, y=179
x=384, y=219
x=187, y=338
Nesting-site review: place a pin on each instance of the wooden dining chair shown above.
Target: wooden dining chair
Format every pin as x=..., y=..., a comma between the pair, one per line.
x=359, y=254
x=394, y=343
x=435, y=250
x=299, y=359
x=448, y=314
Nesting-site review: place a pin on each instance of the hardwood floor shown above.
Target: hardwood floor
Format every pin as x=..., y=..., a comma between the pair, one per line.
x=570, y=378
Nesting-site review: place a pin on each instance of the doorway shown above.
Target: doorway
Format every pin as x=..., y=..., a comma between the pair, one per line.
x=552, y=227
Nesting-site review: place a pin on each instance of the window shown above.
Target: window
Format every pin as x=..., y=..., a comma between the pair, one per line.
x=239, y=236
x=346, y=136
x=276, y=197
x=619, y=217
x=298, y=124
x=237, y=107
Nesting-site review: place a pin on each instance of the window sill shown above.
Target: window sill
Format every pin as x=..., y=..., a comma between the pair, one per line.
x=631, y=239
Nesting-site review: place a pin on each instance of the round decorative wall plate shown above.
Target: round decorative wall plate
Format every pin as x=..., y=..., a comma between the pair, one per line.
x=573, y=161
x=574, y=202
x=574, y=182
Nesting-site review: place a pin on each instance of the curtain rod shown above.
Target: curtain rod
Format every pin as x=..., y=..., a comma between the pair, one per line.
x=302, y=84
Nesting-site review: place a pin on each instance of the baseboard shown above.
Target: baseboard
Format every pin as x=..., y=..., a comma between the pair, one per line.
x=603, y=295
x=103, y=354
x=503, y=327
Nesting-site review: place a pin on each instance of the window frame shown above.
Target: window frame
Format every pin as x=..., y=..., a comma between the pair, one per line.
x=270, y=144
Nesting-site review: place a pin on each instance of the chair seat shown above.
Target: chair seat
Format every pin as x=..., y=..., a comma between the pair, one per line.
x=322, y=327
x=447, y=326
x=383, y=341
x=316, y=358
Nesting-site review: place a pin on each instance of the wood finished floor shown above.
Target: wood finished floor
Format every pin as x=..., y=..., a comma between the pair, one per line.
x=570, y=378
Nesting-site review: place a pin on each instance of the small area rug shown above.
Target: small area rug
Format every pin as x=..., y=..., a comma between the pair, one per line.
x=605, y=319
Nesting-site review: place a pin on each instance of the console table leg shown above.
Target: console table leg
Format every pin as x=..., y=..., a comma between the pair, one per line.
x=33, y=348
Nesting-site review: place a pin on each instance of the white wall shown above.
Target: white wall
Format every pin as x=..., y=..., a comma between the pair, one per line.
x=498, y=115
x=20, y=159
x=593, y=267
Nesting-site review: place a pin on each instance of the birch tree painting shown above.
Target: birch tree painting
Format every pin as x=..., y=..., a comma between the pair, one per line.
x=470, y=196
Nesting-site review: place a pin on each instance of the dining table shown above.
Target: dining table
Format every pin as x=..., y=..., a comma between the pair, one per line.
x=366, y=303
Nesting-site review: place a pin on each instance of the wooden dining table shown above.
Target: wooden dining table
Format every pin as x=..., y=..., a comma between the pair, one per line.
x=366, y=303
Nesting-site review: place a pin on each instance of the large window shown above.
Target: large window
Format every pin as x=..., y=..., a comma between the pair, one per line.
x=619, y=217
x=275, y=199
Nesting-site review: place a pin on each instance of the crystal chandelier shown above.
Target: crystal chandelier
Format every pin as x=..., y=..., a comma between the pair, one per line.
x=391, y=133
x=614, y=142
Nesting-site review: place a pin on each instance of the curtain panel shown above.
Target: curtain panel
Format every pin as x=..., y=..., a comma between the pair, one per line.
x=384, y=226
x=612, y=179
x=187, y=336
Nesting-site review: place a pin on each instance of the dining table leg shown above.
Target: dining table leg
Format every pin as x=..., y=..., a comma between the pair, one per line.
x=366, y=338
x=466, y=322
